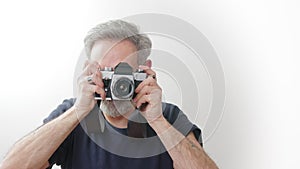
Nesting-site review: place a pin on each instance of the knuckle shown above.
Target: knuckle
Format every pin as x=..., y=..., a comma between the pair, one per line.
x=148, y=99
x=98, y=74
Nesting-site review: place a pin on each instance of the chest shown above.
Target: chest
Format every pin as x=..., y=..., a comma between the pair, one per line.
x=112, y=150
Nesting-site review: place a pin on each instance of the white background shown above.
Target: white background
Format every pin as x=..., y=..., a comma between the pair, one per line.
x=257, y=42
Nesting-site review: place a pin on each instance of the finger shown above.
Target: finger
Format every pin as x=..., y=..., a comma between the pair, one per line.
x=87, y=63
x=86, y=86
x=91, y=68
x=144, y=91
x=94, y=78
x=149, y=81
x=101, y=91
x=143, y=100
x=90, y=89
x=97, y=79
x=147, y=70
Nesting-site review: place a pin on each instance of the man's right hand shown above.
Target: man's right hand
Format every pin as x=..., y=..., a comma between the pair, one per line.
x=26, y=153
x=89, y=82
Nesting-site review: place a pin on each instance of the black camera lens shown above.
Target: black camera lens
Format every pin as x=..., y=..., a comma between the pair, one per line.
x=123, y=88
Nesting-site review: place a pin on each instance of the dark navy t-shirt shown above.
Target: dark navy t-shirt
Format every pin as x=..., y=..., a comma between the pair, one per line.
x=113, y=149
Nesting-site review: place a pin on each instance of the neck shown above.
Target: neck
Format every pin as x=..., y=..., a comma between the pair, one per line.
x=119, y=122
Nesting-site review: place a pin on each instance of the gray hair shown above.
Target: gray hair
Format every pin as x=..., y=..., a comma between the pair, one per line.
x=119, y=30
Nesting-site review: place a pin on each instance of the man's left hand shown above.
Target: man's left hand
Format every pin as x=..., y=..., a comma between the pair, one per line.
x=149, y=96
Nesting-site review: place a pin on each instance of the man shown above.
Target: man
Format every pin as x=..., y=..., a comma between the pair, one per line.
x=64, y=141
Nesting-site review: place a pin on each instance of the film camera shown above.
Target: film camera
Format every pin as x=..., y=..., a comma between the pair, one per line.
x=120, y=83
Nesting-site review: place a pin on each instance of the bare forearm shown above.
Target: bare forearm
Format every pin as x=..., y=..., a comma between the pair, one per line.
x=186, y=152
x=34, y=150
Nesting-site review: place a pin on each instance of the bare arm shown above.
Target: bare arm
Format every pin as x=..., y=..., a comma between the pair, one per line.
x=185, y=152
x=34, y=150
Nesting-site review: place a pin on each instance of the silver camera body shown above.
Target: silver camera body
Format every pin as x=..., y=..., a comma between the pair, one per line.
x=120, y=83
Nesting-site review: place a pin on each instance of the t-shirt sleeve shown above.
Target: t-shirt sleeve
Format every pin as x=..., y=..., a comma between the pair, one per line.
x=180, y=121
x=59, y=156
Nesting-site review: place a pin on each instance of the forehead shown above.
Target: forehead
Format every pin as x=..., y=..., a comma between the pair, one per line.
x=110, y=52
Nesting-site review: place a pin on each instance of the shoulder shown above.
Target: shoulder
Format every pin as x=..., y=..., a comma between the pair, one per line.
x=175, y=116
x=61, y=108
x=171, y=111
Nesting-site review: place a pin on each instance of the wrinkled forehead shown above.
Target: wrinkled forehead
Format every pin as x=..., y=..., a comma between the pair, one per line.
x=111, y=52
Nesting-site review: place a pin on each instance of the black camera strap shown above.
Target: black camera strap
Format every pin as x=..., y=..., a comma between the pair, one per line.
x=137, y=125
x=95, y=123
